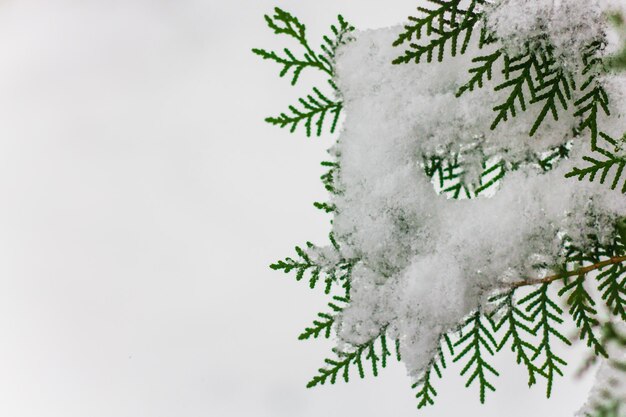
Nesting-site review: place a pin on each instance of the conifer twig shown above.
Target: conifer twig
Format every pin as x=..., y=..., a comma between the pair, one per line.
x=580, y=271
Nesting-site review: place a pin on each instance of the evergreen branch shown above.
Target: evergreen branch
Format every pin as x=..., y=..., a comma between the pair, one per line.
x=284, y=23
x=565, y=274
x=595, y=97
x=522, y=65
x=340, y=35
x=588, y=108
x=481, y=72
x=426, y=392
x=612, y=286
x=340, y=366
x=546, y=314
x=337, y=272
x=324, y=325
x=583, y=312
x=603, y=167
x=316, y=107
x=301, y=266
x=289, y=62
x=596, y=251
x=553, y=87
x=553, y=90
x=432, y=19
x=477, y=340
x=516, y=323
x=447, y=22
x=612, y=280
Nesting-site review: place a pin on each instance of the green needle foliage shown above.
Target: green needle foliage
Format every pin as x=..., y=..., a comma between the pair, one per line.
x=554, y=90
x=611, y=166
x=588, y=107
x=594, y=99
x=338, y=273
x=481, y=73
x=313, y=111
x=301, y=266
x=533, y=73
x=516, y=324
x=546, y=315
x=532, y=78
x=530, y=324
x=323, y=325
x=316, y=108
x=283, y=23
x=518, y=74
x=612, y=285
x=583, y=312
x=446, y=26
x=376, y=352
x=611, y=279
x=477, y=340
x=426, y=392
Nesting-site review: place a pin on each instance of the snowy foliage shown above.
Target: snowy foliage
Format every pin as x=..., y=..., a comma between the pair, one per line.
x=477, y=178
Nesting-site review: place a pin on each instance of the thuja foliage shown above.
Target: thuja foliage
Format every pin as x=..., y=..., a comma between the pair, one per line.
x=527, y=317
x=317, y=109
x=531, y=78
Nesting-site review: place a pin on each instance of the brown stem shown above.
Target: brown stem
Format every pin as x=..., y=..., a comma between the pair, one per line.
x=581, y=271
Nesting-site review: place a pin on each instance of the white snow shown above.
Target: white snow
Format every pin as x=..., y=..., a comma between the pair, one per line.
x=426, y=261
x=569, y=25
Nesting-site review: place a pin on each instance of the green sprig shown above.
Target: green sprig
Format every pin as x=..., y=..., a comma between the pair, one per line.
x=475, y=344
x=339, y=367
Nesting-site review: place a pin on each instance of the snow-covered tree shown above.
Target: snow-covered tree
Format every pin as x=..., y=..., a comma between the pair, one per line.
x=476, y=189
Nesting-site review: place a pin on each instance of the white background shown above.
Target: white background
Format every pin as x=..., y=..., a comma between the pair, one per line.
x=142, y=200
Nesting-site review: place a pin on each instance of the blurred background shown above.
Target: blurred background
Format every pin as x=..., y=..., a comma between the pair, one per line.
x=142, y=200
